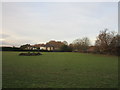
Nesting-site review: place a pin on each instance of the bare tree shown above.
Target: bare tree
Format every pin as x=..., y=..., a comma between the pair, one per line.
x=115, y=45
x=81, y=44
x=106, y=42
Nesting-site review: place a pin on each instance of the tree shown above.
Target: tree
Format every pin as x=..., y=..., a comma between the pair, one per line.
x=107, y=42
x=115, y=45
x=23, y=47
x=103, y=41
x=81, y=44
x=65, y=48
x=56, y=44
x=65, y=42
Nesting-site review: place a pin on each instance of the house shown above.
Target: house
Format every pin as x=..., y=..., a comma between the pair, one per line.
x=30, y=48
x=43, y=47
x=37, y=47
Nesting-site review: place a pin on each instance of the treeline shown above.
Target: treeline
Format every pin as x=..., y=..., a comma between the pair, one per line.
x=107, y=42
x=9, y=49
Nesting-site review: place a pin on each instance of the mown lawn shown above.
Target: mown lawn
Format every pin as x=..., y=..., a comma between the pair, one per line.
x=59, y=70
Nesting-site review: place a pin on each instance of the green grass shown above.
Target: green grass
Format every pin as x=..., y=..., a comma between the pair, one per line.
x=59, y=70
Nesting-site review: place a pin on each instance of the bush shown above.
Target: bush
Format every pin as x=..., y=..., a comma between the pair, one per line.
x=29, y=54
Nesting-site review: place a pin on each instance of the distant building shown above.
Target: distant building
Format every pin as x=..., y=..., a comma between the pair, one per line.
x=30, y=48
x=43, y=47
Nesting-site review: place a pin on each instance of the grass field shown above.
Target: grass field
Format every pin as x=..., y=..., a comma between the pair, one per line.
x=59, y=70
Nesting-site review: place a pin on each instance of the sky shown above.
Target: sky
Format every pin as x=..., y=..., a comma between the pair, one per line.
x=40, y=22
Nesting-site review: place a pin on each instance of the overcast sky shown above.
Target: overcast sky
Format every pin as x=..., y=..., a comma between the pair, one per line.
x=40, y=22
